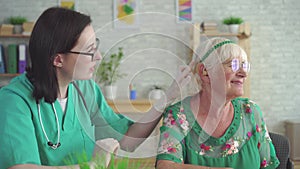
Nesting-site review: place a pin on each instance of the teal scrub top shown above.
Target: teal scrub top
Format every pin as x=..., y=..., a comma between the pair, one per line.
x=246, y=143
x=84, y=121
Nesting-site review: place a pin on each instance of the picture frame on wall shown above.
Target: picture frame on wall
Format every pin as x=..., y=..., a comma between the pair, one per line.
x=184, y=10
x=126, y=14
x=69, y=4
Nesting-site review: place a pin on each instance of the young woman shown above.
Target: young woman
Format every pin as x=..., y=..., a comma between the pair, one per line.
x=216, y=128
x=55, y=113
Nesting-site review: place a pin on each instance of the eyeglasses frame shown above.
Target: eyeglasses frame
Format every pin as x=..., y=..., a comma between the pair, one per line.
x=87, y=53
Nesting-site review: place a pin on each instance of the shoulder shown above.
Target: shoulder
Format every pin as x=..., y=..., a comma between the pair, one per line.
x=19, y=86
x=246, y=104
x=175, y=118
x=86, y=84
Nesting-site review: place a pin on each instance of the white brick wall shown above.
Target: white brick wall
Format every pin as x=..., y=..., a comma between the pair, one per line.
x=275, y=46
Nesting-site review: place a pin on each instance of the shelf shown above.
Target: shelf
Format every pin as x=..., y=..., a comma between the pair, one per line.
x=219, y=34
x=9, y=74
x=130, y=106
x=15, y=36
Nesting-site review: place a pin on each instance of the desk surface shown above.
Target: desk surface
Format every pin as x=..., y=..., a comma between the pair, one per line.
x=130, y=106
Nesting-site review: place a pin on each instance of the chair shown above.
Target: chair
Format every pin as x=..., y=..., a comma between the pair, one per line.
x=282, y=148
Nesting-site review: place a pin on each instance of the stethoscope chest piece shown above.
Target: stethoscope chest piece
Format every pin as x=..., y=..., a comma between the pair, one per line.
x=49, y=143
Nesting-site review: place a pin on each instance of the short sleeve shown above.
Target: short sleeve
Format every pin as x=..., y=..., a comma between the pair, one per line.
x=268, y=159
x=16, y=130
x=171, y=144
x=108, y=124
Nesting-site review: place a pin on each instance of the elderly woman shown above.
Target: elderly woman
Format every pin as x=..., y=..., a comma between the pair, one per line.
x=215, y=127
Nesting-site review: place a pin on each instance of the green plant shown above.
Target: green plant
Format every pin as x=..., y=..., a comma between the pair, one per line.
x=157, y=87
x=99, y=162
x=108, y=71
x=232, y=20
x=17, y=20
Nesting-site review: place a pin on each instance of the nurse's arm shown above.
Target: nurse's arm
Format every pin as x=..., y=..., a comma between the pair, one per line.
x=141, y=129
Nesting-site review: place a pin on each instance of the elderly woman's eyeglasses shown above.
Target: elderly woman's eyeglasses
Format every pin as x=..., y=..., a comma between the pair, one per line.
x=235, y=65
x=87, y=53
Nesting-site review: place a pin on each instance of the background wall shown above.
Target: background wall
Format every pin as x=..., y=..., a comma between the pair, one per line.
x=275, y=45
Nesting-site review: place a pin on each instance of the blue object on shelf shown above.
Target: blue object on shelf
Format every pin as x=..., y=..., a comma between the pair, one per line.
x=132, y=94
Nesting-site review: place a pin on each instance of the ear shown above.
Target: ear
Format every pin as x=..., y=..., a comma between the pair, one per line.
x=58, y=61
x=202, y=72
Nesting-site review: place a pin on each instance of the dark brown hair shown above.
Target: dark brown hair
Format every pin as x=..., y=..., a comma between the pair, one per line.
x=56, y=31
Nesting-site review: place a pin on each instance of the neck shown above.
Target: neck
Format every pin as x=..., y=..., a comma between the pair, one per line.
x=63, y=84
x=212, y=105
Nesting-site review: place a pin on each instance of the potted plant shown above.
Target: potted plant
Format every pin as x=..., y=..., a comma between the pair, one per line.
x=108, y=73
x=17, y=21
x=156, y=92
x=233, y=23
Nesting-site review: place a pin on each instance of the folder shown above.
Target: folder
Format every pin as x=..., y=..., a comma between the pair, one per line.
x=22, y=58
x=2, y=59
x=12, y=58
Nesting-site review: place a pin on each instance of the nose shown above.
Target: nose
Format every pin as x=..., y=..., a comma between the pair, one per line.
x=242, y=73
x=98, y=56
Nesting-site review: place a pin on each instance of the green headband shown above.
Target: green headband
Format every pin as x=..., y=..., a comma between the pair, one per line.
x=214, y=48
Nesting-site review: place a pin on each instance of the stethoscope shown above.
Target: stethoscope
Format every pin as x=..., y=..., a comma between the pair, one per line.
x=57, y=144
x=50, y=143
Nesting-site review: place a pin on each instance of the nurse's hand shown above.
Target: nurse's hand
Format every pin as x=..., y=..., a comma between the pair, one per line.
x=106, y=148
x=183, y=77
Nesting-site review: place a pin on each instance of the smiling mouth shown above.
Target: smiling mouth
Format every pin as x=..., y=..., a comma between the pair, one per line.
x=237, y=82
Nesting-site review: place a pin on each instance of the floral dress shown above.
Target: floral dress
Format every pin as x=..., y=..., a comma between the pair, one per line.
x=246, y=143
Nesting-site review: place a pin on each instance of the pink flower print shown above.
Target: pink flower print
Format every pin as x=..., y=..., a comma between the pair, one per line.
x=264, y=163
x=181, y=116
x=249, y=134
x=258, y=129
x=258, y=145
x=231, y=147
x=170, y=111
x=248, y=108
x=166, y=135
x=172, y=150
x=173, y=122
x=205, y=147
x=167, y=147
x=181, y=109
x=227, y=146
x=202, y=146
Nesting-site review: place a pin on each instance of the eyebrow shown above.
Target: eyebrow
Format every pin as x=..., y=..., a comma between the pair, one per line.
x=90, y=45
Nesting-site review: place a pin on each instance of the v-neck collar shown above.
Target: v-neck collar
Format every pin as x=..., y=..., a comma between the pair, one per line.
x=210, y=139
x=67, y=116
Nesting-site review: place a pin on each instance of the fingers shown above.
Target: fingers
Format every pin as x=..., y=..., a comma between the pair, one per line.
x=185, y=72
x=192, y=64
x=108, y=144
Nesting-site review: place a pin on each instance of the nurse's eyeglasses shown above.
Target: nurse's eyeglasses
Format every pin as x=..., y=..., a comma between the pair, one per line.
x=87, y=53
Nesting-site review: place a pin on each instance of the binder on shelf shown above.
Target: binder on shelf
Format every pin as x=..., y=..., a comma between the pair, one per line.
x=2, y=59
x=12, y=58
x=22, y=58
